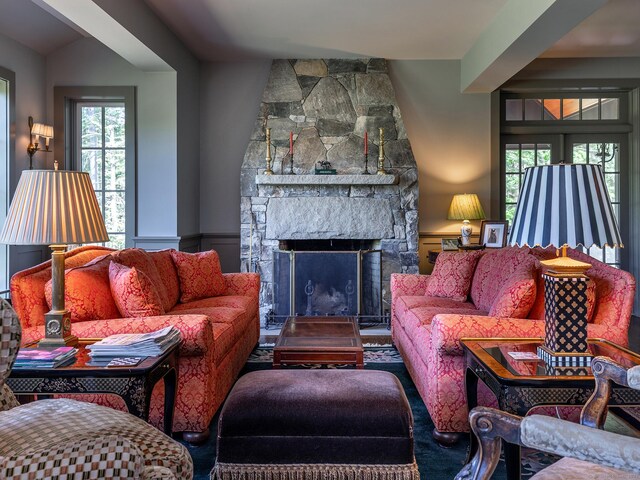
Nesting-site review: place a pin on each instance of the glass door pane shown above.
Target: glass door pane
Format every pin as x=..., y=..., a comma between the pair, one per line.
x=603, y=150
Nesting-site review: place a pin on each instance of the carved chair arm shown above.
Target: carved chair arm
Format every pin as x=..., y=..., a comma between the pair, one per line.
x=556, y=436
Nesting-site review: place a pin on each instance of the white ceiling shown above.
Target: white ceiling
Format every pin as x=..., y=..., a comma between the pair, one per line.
x=32, y=26
x=394, y=29
x=613, y=31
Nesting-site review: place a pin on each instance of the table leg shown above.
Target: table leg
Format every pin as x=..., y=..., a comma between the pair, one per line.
x=512, y=460
x=276, y=359
x=471, y=391
x=360, y=360
x=170, y=381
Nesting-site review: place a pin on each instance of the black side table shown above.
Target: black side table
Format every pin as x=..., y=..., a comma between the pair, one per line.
x=133, y=384
x=520, y=385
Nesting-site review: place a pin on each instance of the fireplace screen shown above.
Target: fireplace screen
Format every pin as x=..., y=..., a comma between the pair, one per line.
x=327, y=283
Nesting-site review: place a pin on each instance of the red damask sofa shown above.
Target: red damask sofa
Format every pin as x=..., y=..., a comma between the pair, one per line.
x=218, y=332
x=427, y=329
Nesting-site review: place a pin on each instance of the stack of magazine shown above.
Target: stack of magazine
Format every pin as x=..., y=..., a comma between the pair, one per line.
x=45, y=358
x=133, y=345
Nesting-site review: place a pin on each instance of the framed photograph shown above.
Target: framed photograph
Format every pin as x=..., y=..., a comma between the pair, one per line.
x=493, y=233
x=449, y=244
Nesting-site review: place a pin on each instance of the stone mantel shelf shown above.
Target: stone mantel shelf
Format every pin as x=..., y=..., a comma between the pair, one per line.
x=372, y=179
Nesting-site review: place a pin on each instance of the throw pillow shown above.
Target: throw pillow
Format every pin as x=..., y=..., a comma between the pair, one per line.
x=134, y=293
x=87, y=293
x=200, y=275
x=517, y=294
x=452, y=273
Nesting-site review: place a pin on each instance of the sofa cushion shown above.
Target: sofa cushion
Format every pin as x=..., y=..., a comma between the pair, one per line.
x=87, y=294
x=451, y=277
x=200, y=275
x=248, y=304
x=136, y=257
x=517, y=295
x=417, y=317
x=407, y=302
x=494, y=268
x=134, y=293
x=169, y=275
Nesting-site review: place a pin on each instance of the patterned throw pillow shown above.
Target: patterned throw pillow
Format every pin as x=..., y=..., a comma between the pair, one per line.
x=516, y=296
x=87, y=293
x=200, y=275
x=134, y=293
x=452, y=273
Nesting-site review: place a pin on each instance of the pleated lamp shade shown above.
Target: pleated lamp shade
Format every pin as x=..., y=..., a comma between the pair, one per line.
x=42, y=130
x=465, y=206
x=54, y=207
x=566, y=204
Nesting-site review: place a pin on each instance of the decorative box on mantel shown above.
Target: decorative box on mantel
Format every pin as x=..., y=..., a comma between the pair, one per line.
x=327, y=105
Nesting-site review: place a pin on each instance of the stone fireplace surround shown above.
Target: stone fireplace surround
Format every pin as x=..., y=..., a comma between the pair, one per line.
x=328, y=104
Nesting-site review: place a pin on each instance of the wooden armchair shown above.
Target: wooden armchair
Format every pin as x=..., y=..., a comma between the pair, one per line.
x=68, y=440
x=587, y=451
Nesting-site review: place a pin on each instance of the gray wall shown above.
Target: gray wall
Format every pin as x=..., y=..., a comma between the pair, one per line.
x=450, y=137
x=136, y=17
x=29, y=69
x=89, y=63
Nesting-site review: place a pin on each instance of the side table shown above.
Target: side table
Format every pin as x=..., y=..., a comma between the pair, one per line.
x=133, y=384
x=520, y=385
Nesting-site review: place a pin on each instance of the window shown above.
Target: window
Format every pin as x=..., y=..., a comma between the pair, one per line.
x=542, y=129
x=102, y=154
x=94, y=128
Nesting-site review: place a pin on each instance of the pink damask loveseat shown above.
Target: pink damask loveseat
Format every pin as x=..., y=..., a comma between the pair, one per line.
x=427, y=330
x=218, y=333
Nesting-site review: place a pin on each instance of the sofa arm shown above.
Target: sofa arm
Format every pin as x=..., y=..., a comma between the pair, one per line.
x=448, y=329
x=196, y=330
x=408, y=284
x=247, y=284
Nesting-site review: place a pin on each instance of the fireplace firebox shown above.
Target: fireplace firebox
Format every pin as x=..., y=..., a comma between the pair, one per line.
x=327, y=282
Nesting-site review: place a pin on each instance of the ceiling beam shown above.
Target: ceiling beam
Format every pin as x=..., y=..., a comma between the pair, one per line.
x=519, y=33
x=90, y=18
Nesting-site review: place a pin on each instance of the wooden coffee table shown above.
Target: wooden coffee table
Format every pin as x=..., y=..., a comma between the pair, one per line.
x=323, y=340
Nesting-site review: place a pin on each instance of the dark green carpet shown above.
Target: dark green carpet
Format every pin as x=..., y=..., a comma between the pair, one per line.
x=434, y=462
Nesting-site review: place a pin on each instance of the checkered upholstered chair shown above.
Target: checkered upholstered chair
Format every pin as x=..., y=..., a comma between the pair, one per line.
x=587, y=452
x=66, y=439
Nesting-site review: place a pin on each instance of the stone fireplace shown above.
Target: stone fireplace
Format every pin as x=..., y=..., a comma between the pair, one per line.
x=328, y=105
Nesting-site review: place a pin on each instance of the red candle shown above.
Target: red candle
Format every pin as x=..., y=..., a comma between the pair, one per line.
x=366, y=143
x=291, y=143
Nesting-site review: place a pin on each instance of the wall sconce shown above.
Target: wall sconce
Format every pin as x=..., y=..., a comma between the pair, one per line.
x=38, y=130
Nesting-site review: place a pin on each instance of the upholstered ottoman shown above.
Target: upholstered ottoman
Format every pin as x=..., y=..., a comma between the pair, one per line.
x=314, y=424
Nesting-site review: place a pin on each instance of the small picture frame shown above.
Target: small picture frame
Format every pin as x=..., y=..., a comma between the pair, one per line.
x=449, y=244
x=493, y=233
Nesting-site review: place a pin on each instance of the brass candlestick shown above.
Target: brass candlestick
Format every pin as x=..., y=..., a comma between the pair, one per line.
x=268, y=171
x=381, y=170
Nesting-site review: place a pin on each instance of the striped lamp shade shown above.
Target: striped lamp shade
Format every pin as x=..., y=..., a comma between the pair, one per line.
x=465, y=206
x=564, y=204
x=54, y=207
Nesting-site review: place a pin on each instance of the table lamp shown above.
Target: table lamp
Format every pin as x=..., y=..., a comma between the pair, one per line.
x=565, y=205
x=465, y=207
x=55, y=208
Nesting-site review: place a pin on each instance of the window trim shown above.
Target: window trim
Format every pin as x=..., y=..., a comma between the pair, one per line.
x=11, y=179
x=65, y=100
